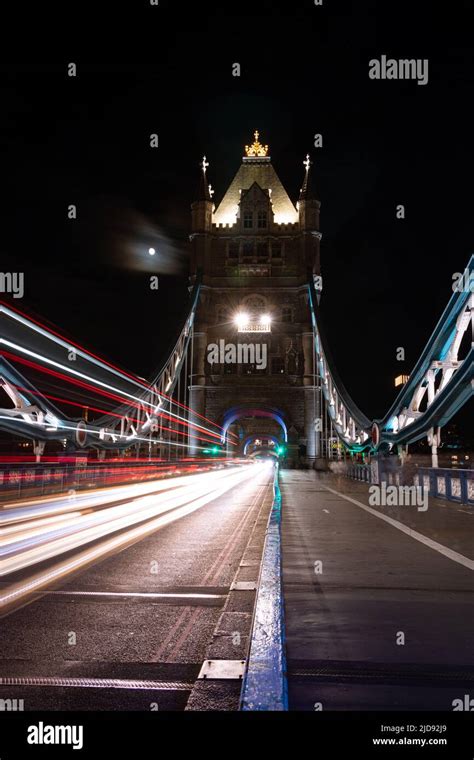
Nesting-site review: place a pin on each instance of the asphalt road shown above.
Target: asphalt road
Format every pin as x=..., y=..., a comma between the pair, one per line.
x=140, y=620
x=375, y=618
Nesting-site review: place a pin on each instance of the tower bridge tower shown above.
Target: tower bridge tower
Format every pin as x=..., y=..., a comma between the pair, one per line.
x=253, y=370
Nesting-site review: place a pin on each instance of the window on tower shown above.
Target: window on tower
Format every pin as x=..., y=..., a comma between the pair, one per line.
x=287, y=314
x=233, y=250
x=262, y=251
x=262, y=222
x=247, y=250
x=276, y=250
x=248, y=220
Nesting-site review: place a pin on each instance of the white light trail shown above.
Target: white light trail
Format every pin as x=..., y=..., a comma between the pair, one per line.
x=70, y=347
x=149, y=512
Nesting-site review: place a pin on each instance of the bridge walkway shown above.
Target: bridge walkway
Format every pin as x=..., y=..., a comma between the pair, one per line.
x=378, y=600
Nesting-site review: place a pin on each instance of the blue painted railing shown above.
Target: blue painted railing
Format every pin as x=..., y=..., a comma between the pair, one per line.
x=451, y=484
x=441, y=482
x=359, y=472
x=265, y=681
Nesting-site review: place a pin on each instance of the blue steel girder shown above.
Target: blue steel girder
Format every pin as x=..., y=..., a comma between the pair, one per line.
x=31, y=415
x=439, y=385
x=34, y=416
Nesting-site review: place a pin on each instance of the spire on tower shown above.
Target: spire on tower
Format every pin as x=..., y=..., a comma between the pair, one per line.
x=307, y=192
x=203, y=190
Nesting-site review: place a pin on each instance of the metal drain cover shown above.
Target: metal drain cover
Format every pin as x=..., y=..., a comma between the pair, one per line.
x=222, y=670
x=244, y=586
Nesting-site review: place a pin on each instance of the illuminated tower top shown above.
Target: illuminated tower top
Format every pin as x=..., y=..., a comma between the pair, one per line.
x=256, y=150
x=255, y=169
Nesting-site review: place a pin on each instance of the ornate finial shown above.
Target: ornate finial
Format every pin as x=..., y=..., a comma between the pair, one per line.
x=307, y=163
x=256, y=149
x=204, y=164
x=211, y=191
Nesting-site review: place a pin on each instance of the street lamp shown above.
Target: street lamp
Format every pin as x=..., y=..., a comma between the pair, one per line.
x=241, y=320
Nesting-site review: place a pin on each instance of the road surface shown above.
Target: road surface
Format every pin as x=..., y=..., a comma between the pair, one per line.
x=131, y=626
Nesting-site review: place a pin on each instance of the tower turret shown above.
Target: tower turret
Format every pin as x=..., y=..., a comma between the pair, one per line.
x=308, y=204
x=308, y=210
x=201, y=220
x=201, y=223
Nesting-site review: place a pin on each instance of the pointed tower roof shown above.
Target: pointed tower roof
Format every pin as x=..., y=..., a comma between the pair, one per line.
x=203, y=193
x=256, y=167
x=307, y=192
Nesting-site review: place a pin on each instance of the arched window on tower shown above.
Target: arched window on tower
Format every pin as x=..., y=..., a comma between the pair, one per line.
x=255, y=303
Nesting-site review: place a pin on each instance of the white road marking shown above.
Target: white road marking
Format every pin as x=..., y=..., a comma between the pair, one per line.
x=137, y=594
x=444, y=550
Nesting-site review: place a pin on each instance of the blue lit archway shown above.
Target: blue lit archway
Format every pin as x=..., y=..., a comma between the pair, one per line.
x=232, y=415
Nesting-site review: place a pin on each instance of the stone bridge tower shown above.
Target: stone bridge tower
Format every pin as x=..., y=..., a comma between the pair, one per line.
x=255, y=251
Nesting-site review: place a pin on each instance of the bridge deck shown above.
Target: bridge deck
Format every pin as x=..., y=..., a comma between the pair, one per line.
x=132, y=631
x=376, y=582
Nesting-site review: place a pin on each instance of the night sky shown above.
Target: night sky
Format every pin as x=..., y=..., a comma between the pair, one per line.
x=85, y=141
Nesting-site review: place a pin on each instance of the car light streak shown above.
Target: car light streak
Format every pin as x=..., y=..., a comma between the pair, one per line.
x=21, y=554
x=60, y=504
x=90, y=383
x=160, y=515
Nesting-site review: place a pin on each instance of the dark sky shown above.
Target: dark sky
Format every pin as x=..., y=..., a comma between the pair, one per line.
x=304, y=71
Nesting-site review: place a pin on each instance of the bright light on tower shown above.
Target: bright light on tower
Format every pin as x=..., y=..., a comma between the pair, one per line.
x=265, y=319
x=151, y=251
x=241, y=320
